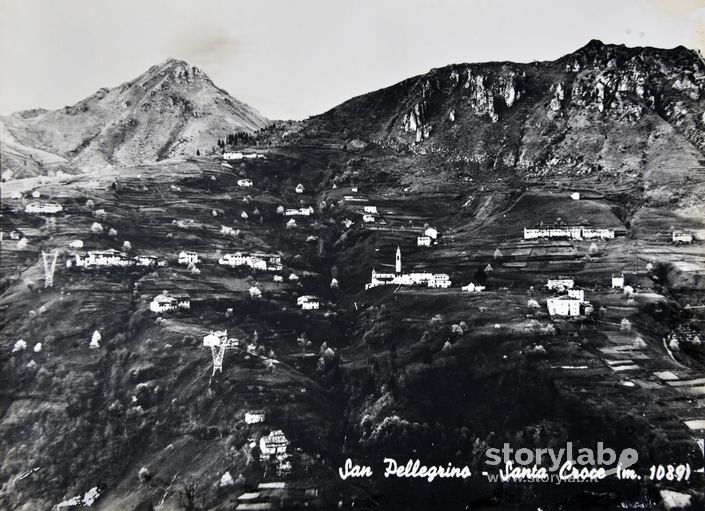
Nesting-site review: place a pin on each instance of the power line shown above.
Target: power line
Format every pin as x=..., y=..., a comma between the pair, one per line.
x=49, y=267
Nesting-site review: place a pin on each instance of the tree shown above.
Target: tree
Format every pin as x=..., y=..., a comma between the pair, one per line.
x=625, y=325
x=303, y=342
x=187, y=495
x=198, y=152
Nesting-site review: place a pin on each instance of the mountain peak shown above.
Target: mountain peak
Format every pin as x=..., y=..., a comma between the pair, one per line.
x=170, y=110
x=178, y=70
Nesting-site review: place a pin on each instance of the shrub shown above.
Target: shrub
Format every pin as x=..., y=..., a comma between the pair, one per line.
x=659, y=197
x=144, y=475
x=638, y=343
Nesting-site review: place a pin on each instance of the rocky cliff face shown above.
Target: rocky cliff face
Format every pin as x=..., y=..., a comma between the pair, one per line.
x=542, y=117
x=171, y=110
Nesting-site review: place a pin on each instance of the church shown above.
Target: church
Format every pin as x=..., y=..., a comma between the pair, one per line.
x=440, y=280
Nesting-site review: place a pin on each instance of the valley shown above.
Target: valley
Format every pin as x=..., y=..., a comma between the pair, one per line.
x=400, y=371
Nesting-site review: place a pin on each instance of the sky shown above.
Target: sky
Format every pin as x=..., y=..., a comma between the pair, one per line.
x=294, y=58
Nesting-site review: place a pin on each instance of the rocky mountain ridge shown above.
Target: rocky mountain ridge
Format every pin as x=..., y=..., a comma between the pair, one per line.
x=541, y=117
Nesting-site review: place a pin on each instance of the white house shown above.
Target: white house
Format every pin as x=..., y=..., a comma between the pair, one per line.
x=308, y=302
x=618, y=282
x=594, y=232
x=236, y=259
x=575, y=195
x=244, y=182
x=299, y=188
x=370, y=209
x=36, y=194
x=233, y=156
x=164, y=302
x=278, y=278
x=423, y=241
x=473, y=288
x=145, y=260
x=560, y=283
x=299, y=212
x=368, y=219
x=577, y=294
x=76, y=244
x=213, y=339
x=441, y=280
x=563, y=306
x=47, y=207
x=254, y=417
x=431, y=232
x=354, y=189
x=682, y=237
x=273, y=444
x=256, y=263
x=188, y=257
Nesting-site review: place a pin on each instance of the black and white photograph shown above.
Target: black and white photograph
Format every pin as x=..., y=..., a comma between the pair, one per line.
x=352, y=255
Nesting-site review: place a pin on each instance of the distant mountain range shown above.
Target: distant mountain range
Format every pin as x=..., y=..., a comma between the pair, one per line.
x=171, y=110
x=604, y=109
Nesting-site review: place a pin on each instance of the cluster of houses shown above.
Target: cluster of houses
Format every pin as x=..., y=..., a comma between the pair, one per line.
x=256, y=261
x=434, y=280
x=273, y=444
x=43, y=207
x=245, y=183
x=581, y=233
x=165, y=302
x=571, y=304
x=111, y=258
x=571, y=232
